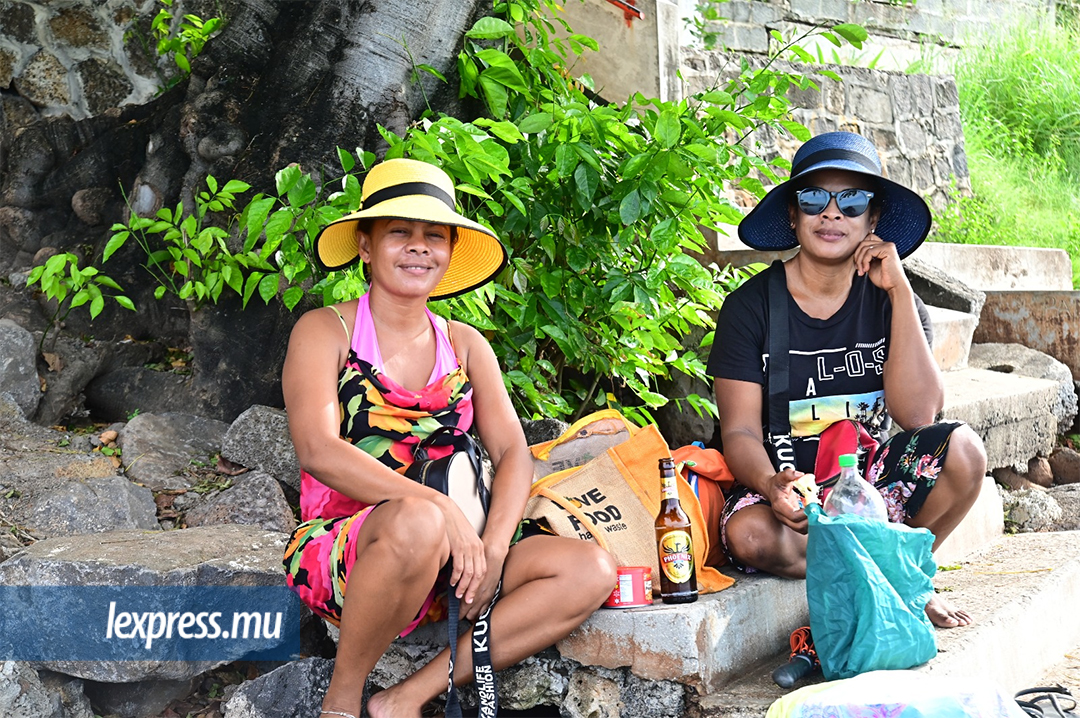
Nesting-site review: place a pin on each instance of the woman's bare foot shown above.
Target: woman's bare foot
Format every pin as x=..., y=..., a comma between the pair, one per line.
x=944, y=615
x=391, y=703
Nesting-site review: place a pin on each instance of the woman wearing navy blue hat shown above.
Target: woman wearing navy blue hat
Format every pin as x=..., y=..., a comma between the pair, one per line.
x=859, y=348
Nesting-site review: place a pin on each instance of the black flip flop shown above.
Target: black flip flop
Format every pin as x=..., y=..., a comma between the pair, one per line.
x=1047, y=702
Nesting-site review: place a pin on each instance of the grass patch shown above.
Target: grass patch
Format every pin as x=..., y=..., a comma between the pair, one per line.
x=1020, y=104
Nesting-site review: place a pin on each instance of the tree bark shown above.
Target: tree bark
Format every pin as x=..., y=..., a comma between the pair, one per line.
x=284, y=82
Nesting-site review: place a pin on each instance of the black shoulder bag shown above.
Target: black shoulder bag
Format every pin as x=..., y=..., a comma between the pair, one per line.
x=461, y=476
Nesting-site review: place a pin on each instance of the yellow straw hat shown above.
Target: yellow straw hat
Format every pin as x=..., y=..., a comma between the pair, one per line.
x=418, y=191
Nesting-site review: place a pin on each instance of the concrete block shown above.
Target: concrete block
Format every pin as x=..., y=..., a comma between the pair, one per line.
x=989, y=267
x=1047, y=321
x=939, y=288
x=1011, y=413
x=984, y=524
x=706, y=644
x=952, y=337
x=1023, y=361
x=1018, y=590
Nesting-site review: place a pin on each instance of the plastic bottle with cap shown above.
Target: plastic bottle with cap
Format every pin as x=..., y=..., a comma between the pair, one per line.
x=854, y=495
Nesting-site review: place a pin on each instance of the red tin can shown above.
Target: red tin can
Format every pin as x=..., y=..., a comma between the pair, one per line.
x=634, y=588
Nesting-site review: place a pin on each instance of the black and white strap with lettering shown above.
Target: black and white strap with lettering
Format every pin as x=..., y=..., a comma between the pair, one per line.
x=483, y=673
x=778, y=378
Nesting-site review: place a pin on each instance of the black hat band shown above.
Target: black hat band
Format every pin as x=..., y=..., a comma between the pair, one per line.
x=835, y=154
x=409, y=188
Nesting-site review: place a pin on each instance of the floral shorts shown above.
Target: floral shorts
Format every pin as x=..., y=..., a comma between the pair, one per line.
x=904, y=469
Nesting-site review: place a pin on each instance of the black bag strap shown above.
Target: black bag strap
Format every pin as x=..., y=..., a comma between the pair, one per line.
x=461, y=440
x=483, y=674
x=778, y=375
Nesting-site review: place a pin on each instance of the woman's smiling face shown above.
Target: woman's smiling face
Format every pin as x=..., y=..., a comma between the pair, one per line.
x=832, y=235
x=405, y=256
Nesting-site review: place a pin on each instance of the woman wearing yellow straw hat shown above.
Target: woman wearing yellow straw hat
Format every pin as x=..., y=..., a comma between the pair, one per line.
x=364, y=381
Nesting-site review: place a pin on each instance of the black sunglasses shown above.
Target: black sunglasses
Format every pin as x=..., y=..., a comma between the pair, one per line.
x=852, y=202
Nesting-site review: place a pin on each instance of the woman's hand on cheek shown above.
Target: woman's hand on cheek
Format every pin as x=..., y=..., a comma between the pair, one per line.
x=879, y=260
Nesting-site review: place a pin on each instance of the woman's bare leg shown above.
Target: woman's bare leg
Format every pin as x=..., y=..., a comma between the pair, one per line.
x=409, y=536
x=954, y=493
x=563, y=580
x=755, y=537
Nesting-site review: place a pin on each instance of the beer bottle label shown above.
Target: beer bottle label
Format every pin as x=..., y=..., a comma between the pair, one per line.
x=668, y=488
x=676, y=556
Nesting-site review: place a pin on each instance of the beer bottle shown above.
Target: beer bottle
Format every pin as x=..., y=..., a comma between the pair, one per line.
x=678, y=579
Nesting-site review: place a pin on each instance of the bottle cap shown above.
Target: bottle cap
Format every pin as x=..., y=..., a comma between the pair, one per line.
x=847, y=460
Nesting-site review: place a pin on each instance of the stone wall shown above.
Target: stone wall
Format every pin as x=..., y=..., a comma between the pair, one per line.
x=898, y=29
x=80, y=58
x=914, y=120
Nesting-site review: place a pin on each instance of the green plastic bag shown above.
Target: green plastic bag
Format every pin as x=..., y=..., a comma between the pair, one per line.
x=867, y=584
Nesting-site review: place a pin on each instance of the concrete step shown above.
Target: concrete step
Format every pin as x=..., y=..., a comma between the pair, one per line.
x=712, y=642
x=1012, y=413
x=1021, y=591
x=952, y=336
x=996, y=268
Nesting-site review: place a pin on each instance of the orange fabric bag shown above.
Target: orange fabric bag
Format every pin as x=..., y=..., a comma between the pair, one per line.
x=714, y=478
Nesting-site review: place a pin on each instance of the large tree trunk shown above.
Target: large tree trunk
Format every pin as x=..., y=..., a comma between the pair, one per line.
x=284, y=82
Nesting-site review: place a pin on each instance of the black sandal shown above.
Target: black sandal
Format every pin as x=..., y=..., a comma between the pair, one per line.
x=1047, y=702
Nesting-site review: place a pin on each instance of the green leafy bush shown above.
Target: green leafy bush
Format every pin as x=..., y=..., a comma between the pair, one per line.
x=64, y=283
x=184, y=43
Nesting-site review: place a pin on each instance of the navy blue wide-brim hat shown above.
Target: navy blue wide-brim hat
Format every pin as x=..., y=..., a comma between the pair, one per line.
x=905, y=217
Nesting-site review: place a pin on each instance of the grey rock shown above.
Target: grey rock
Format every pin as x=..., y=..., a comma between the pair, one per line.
x=939, y=289
x=652, y=699
x=104, y=84
x=1065, y=463
x=591, y=695
x=116, y=394
x=1068, y=498
x=18, y=366
x=293, y=691
x=90, y=205
x=141, y=698
x=541, y=430
x=71, y=691
x=1029, y=510
x=1011, y=479
x=259, y=439
x=207, y=556
x=93, y=506
x=255, y=499
x=1019, y=359
x=22, y=694
x=44, y=80
x=157, y=447
x=15, y=431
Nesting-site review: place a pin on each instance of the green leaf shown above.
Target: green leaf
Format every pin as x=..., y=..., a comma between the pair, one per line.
x=302, y=192
x=346, y=159
x=586, y=180
x=268, y=287
x=630, y=208
x=495, y=94
x=832, y=38
x=115, y=242
x=127, y=303
x=855, y=34
x=159, y=292
x=490, y=28
x=80, y=298
x=506, y=131
x=286, y=178
x=107, y=282
x=292, y=297
x=633, y=166
x=96, y=305
x=211, y=183
x=797, y=130
x=668, y=129
x=431, y=71
x=566, y=160
x=502, y=69
x=536, y=122
x=831, y=75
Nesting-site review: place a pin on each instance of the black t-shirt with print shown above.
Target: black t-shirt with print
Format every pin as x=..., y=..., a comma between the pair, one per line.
x=835, y=364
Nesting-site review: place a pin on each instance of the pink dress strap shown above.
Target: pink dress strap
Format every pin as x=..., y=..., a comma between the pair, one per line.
x=366, y=344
